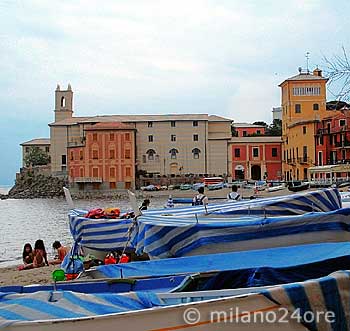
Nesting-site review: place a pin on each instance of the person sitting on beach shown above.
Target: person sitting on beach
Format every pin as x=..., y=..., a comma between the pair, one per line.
x=234, y=194
x=61, y=250
x=27, y=254
x=40, y=256
x=145, y=204
x=200, y=198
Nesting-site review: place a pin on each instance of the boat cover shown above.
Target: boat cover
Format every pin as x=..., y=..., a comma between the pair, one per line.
x=162, y=236
x=326, y=294
x=281, y=257
x=112, y=234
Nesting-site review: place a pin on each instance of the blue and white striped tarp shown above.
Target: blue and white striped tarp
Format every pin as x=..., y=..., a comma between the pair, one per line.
x=162, y=236
x=310, y=300
x=46, y=305
x=110, y=234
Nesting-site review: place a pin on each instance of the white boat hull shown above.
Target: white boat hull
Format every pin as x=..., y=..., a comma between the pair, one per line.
x=237, y=310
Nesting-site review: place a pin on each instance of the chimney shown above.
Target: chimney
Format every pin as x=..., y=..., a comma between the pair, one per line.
x=317, y=72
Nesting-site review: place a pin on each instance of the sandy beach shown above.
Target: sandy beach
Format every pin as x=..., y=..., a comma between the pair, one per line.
x=12, y=276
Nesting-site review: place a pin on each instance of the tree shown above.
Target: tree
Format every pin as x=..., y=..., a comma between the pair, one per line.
x=260, y=123
x=338, y=72
x=35, y=157
x=274, y=129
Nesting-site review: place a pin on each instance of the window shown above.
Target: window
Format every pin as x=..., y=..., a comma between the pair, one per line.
x=112, y=185
x=173, y=137
x=127, y=154
x=63, y=102
x=72, y=156
x=237, y=152
x=95, y=154
x=244, y=133
x=274, y=152
x=112, y=172
x=255, y=151
x=195, y=152
x=94, y=136
x=111, y=153
x=304, y=129
x=305, y=153
x=127, y=171
x=258, y=132
x=95, y=172
x=195, y=123
x=81, y=155
x=150, y=153
x=81, y=172
x=150, y=124
x=27, y=149
x=47, y=149
x=316, y=106
x=64, y=159
x=307, y=90
x=342, y=122
x=298, y=108
x=150, y=138
x=111, y=136
x=173, y=153
x=127, y=136
x=321, y=140
x=173, y=124
x=320, y=158
x=195, y=137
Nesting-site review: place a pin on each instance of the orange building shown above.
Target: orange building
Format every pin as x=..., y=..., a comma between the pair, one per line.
x=105, y=158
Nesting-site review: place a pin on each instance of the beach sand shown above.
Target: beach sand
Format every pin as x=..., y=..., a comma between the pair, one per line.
x=12, y=276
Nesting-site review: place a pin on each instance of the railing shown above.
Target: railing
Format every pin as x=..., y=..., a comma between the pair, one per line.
x=87, y=180
x=304, y=160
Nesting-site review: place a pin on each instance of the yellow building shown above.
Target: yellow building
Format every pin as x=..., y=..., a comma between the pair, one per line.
x=303, y=105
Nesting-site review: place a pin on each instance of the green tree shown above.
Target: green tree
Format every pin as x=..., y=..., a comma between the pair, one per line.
x=274, y=129
x=35, y=157
x=260, y=123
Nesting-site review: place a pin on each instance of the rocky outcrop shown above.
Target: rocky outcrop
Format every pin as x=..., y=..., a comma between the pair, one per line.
x=30, y=185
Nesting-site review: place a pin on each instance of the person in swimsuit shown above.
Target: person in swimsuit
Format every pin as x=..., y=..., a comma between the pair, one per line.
x=40, y=256
x=61, y=250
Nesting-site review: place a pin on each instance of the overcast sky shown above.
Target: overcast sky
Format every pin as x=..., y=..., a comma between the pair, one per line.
x=154, y=57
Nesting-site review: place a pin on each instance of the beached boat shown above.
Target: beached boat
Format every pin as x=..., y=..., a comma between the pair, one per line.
x=216, y=186
x=207, y=310
x=185, y=187
x=276, y=186
x=100, y=236
x=297, y=186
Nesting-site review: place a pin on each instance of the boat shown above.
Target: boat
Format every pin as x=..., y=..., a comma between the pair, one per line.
x=185, y=187
x=297, y=186
x=202, y=310
x=216, y=186
x=260, y=185
x=101, y=236
x=212, y=180
x=275, y=186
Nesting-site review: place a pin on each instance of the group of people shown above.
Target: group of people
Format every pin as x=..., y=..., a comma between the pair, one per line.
x=37, y=257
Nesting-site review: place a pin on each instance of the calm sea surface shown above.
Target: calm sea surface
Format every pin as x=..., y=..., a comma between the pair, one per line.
x=23, y=221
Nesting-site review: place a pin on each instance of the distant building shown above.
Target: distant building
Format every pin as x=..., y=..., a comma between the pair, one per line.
x=173, y=144
x=257, y=157
x=277, y=113
x=303, y=106
x=41, y=143
x=247, y=129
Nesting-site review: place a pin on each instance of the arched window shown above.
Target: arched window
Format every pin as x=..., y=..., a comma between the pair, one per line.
x=63, y=102
x=195, y=152
x=151, y=153
x=173, y=153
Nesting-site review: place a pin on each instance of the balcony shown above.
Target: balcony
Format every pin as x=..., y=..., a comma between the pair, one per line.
x=87, y=180
x=291, y=161
x=304, y=160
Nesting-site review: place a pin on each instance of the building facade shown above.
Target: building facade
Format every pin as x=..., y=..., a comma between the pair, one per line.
x=247, y=129
x=303, y=106
x=105, y=159
x=41, y=143
x=164, y=145
x=256, y=157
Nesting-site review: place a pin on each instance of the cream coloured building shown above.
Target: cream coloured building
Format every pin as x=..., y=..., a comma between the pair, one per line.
x=41, y=143
x=165, y=144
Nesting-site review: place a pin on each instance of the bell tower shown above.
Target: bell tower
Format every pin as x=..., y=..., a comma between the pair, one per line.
x=63, y=103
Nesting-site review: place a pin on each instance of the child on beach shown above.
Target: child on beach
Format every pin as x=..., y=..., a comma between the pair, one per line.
x=61, y=250
x=27, y=254
x=40, y=256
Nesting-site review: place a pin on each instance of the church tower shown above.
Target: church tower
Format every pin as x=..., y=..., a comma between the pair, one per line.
x=63, y=103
